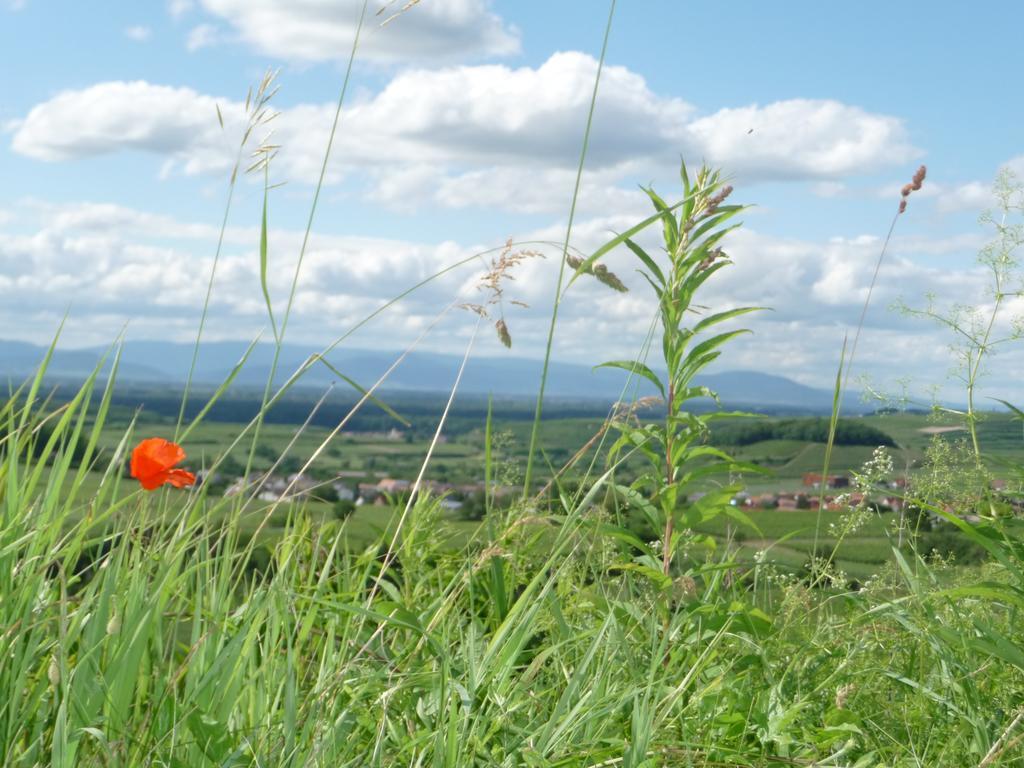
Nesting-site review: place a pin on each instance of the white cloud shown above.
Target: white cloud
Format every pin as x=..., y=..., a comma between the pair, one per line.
x=522, y=190
x=114, y=264
x=16, y=5
x=115, y=116
x=483, y=136
x=126, y=265
x=801, y=138
x=972, y=196
x=962, y=197
x=138, y=33
x=322, y=30
x=202, y=36
x=179, y=8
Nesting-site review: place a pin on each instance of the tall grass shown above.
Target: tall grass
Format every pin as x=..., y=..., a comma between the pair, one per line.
x=142, y=629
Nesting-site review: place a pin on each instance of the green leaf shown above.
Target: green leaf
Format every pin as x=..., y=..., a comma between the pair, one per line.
x=1018, y=413
x=688, y=197
x=617, y=532
x=219, y=391
x=720, y=317
x=670, y=226
x=650, y=263
x=658, y=577
x=616, y=241
x=263, y=260
x=638, y=501
x=724, y=213
x=635, y=366
x=713, y=343
x=363, y=391
x=988, y=590
x=733, y=511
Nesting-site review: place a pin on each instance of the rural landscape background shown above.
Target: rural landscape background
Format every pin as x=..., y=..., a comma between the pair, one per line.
x=549, y=393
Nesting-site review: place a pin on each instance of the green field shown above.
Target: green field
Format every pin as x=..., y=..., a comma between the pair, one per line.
x=460, y=460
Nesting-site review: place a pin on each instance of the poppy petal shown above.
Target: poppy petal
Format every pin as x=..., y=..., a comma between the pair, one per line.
x=180, y=478
x=155, y=455
x=152, y=461
x=151, y=482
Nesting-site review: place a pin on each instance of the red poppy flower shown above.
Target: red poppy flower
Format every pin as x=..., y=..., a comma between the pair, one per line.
x=152, y=462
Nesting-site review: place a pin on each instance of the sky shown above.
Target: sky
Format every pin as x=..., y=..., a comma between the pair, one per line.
x=461, y=128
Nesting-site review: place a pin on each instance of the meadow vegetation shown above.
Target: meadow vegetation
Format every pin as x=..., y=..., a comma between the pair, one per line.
x=618, y=609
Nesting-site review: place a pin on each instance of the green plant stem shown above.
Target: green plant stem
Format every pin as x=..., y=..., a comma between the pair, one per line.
x=279, y=340
x=535, y=430
x=666, y=563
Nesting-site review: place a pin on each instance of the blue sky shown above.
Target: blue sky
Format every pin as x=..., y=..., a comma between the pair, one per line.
x=462, y=128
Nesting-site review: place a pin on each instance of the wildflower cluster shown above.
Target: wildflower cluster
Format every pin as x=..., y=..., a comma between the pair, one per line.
x=875, y=472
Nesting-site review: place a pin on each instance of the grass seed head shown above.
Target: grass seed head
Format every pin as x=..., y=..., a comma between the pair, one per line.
x=919, y=175
x=915, y=184
x=503, y=335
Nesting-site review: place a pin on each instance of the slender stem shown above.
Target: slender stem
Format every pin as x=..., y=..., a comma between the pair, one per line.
x=209, y=293
x=973, y=370
x=666, y=556
x=279, y=342
x=535, y=431
x=867, y=302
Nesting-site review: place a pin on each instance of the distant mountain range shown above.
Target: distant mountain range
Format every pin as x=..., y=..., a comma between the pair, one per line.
x=167, y=363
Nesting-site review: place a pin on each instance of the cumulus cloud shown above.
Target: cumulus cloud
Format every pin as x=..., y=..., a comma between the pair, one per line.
x=322, y=30
x=972, y=196
x=124, y=265
x=801, y=138
x=114, y=264
x=115, y=116
x=485, y=136
x=960, y=197
x=202, y=36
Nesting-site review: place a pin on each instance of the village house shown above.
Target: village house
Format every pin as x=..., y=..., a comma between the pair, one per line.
x=392, y=486
x=236, y=487
x=813, y=479
x=300, y=484
x=345, y=492
x=451, y=505
x=790, y=502
x=367, y=493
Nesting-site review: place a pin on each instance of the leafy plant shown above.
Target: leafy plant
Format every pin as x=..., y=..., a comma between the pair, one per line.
x=980, y=331
x=678, y=455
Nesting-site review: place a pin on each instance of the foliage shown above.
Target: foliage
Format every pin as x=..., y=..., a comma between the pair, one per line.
x=166, y=629
x=343, y=508
x=979, y=332
x=816, y=430
x=148, y=634
x=676, y=451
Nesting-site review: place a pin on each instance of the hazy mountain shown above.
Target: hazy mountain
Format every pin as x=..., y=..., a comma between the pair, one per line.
x=160, y=362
